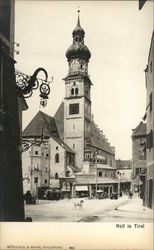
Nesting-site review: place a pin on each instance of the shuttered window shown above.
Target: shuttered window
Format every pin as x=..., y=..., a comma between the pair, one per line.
x=150, y=140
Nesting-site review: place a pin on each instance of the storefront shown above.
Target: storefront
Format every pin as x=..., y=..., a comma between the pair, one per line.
x=81, y=191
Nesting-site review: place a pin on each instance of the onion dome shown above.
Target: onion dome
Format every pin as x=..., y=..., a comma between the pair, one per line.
x=78, y=49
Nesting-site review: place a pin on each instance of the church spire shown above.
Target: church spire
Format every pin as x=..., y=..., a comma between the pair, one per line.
x=78, y=49
x=78, y=29
x=78, y=22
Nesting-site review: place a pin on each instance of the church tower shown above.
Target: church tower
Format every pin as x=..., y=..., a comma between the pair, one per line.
x=77, y=102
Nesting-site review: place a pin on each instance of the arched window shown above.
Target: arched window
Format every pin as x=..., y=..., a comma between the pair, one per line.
x=56, y=176
x=76, y=39
x=56, y=157
x=100, y=173
x=76, y=91
x=79, y=39
x=72, y=91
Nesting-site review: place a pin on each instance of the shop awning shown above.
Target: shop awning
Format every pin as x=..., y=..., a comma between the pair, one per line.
x=81, y=188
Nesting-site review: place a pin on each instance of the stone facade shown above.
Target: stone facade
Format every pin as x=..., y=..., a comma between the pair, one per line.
x=139, y=159
x=36, y=168
x=149, y=72
x=11, y=191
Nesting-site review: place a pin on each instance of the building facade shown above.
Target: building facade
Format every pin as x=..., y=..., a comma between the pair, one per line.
x=149, y=71
x=11, y=106
x=139, y=159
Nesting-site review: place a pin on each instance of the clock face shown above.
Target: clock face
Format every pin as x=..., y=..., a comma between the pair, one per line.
x=75, y=64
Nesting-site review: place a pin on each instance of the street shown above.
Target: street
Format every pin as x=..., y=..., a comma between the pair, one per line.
x=93, y=210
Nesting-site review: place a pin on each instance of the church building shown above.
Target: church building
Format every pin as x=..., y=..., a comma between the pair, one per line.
x=79, y=158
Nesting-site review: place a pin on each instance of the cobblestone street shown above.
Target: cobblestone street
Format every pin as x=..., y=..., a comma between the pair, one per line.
x=106, y=210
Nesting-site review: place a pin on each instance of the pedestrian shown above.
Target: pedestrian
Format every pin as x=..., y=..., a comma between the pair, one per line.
x=28, y=197
x=130, y=194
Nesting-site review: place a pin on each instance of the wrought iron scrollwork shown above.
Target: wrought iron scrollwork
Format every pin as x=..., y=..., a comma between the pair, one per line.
x=26, y=144
x=26, y=84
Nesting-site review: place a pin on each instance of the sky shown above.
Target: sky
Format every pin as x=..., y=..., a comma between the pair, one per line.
x=118, y=36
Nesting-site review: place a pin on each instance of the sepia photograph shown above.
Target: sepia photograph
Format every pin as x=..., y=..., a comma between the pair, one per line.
x=76, y=124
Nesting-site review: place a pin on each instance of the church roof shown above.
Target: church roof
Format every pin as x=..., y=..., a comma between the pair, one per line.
x=78, y=50
x=78, y=29
x=98, y=141
x=59, y=119
x=41, y=122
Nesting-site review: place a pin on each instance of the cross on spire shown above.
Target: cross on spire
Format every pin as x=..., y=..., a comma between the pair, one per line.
x=78, y=23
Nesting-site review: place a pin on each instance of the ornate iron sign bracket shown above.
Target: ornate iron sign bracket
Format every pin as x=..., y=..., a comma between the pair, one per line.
x=26, y=84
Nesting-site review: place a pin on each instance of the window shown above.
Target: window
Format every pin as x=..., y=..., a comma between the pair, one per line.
x=142, y=155
x=151, y=67
x=100, y=173
x=79, y=39
x=150, y=140
x=36, y=180
x=56, y=176
x=150, y=102
x=56, y=157
x=36, y=152
x=45, y=181
x=67, y=173
x=72, y=91
x=74, y=83
x=73, y=146
x=76, y=91
x=71, y=158
x=138, y=171
x=74, y=108
x=81, y=66
x=57, y=148
x=47, y=155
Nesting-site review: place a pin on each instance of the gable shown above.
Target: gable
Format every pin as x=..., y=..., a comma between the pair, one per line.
x=98, y=141
x=41, y=122
x=140, y=130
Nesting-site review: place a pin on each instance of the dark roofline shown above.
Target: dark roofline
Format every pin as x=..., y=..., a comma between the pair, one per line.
x=151, y=43
x=137, y=134
x=102, y=150
x=62, y=144
x=77, y=76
